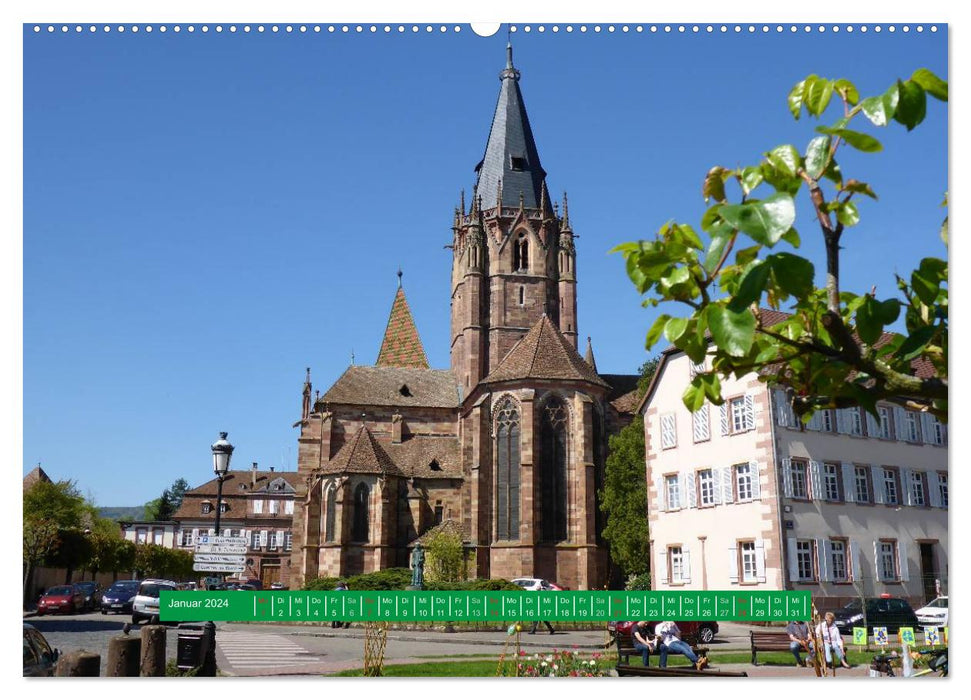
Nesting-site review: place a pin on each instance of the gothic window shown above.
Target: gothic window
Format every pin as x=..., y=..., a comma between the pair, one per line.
x=507, y=471
x=599, y=460
x=330, y=522
x=521, y=253
x=359, y=531
x=553, y=502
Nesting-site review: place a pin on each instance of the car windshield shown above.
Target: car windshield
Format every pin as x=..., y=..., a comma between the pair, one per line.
x=938, y=603
x=151, y=589
x=60, y=590
x=123, y=588
x=853, y=606
x=86, y=587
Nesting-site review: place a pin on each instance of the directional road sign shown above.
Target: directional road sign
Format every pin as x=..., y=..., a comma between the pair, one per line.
x=236, y=560
x=222, y=539
x=221, y=568
x=220, y=549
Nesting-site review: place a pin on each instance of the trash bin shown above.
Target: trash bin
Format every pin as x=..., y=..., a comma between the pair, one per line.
x=193, y=645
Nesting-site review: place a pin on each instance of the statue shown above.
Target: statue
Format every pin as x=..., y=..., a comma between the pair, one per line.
x=417, y=567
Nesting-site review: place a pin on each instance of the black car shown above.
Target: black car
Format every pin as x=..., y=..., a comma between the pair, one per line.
x=92, y=594
x=39, y=658
x=892, y=613
x=119, y=596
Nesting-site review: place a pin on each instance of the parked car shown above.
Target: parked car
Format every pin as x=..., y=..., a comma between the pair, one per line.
x=39, y=658
x=934, y=614
x=536, y=584
x=119, y=597
x=92, y=594
x=61, y=599
x=892, y=613
x=255, y=583
x=692, y=631
x=277, y=586
x=146, y=602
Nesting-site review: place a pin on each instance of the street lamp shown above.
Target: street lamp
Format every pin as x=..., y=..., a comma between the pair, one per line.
x=222, y=452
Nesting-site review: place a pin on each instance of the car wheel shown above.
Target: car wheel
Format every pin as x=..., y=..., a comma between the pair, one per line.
x=706, y=634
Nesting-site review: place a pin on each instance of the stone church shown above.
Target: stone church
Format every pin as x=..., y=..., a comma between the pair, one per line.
x=507, y=445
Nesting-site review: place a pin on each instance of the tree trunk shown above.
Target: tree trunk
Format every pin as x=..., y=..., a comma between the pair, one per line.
x=28, y=581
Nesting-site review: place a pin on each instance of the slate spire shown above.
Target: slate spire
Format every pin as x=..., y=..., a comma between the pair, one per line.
x=510, y=157
x=588, y=355
x=401, y=346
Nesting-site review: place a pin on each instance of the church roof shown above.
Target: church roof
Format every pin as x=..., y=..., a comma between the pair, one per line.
x=623, y=394
x=395, y=386
x=544, y=353
x=510, y=156
x=448, y=526
x=362, y=455
x=401, y=346
x=36, y=475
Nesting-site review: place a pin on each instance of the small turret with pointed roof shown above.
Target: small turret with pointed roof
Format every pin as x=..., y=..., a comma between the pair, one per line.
x=401, y=346
x=588, y=355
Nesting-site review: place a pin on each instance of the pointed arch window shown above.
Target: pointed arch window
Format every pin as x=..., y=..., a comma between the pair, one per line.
x=554, y=455
x=521, y=252
x=507, y=471
x=359, y=529
x=330, y=522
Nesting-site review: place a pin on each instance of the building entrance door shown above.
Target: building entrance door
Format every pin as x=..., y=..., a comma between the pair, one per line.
x=269, y=575
x=928, y=570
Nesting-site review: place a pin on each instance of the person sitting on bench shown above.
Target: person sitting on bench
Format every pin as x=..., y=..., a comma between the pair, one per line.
x=670, y=641
x=642, y=641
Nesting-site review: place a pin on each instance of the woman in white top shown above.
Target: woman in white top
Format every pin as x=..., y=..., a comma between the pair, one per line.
x=832, y=642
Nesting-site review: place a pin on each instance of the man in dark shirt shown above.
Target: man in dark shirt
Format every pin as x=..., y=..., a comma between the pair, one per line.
x=799, y=640
x=642, y=641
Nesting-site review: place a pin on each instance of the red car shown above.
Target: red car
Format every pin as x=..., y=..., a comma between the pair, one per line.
x=61, y=599
x=692, y=631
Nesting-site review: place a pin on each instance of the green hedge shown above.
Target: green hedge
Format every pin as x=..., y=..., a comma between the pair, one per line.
x=400, y=578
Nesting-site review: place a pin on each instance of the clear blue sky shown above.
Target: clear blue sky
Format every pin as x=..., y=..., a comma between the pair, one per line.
x=207, y=215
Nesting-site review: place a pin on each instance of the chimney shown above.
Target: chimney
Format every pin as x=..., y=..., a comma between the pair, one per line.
x=253, y=475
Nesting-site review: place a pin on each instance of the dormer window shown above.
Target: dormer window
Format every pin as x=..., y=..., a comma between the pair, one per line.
x=206, y=507
x=404, y=390
x=222, y=507
x=435, y=466
x=517, y=163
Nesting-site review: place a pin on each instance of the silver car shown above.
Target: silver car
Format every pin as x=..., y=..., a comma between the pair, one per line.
x=145, y=603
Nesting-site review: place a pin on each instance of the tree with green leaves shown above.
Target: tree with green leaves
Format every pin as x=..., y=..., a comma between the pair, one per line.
x=446, y=556
x=835, y=349
x=49, y=509
x=623, y=500
x=164, y=507
x=177, y=492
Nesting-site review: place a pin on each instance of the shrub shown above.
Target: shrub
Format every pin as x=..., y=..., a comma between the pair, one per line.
x=639, y=582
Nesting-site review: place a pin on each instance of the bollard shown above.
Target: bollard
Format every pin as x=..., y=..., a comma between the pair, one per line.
x=209, y=645
x=79, y=663
x=153, y=651
x=906, y=662
x=124, y=654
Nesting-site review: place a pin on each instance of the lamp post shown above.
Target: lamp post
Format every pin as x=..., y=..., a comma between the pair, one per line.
x=222, y=452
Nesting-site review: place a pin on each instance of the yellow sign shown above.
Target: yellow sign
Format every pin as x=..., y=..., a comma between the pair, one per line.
x=880, y=636
x=931, y=636
x=859, y=636
x=907, y=636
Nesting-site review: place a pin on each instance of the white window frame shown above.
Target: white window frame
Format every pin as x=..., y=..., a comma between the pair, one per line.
x=885, y=426
x=287, y=541
x=271, y=540
x=854, y=419
x=669, y=431
x=743, y=481
x=918, y=495
x=859, y=472
x=805, y=560
x=740, y=417
x=839, y=560
x=672, y=492
x=794, y=467
x=888, y=552
x=748, y=568
x=141, y=535
x=258, y=506
x=186, y=538
x=890, y=495
x=254, y=539
x=942, y=487
x=911, y=429
x=826, y=421
x=288, y=507
x=831, y=481
x=273, y=506
x=706, y=482
x=676, y=565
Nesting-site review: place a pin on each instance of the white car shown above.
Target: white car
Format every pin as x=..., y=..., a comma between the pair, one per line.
x=145, y=603
x=532, y=584
x=934, y=614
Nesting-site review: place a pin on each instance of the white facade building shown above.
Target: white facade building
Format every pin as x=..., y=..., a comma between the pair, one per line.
x=742, y=496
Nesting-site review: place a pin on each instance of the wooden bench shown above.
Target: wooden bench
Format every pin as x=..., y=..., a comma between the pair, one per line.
x=625, y=649
x=676, y=672
x=767, y=641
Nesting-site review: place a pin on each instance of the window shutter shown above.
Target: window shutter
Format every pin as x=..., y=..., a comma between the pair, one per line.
x=756, y=482
x=733, y=564
x=716, y=485
x=760, y=560
x=908, y=487
x=687, y=488
x=787, y=477
x=728, y=486
x=849, y=483
x=927, y=427
x=749, y=412
x=816, y=480
x=822, y=558
x=685, y=565
x=877, y=568
x=793, y=560
x=934, y=489
x=816, y=422
x=855, y=555
x=872, y=427
x=723, y=414
x=195, y=535
x=662, y=565
x=841, y=421
x=900, y=423
x=904, y=564
x=245, y=535
x=781, y=407
x=876, y=476
x=263, y=537
x=281, y=538
x=700, y=426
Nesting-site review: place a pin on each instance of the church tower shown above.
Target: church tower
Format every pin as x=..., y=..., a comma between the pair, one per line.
x=513, y=255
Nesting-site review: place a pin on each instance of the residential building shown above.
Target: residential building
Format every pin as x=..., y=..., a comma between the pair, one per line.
x=163, y=533
x=509, y=441
x=256, y=505
x=743, y=496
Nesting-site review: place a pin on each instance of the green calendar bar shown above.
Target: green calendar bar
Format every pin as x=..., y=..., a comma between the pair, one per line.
x=482, y=606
